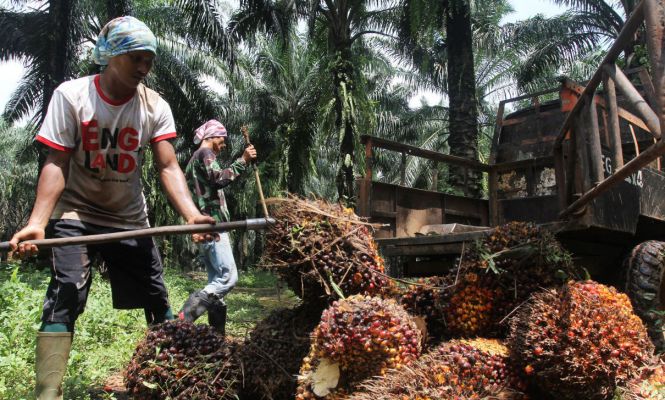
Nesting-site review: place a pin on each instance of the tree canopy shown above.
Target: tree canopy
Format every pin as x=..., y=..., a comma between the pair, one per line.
x=309, y=78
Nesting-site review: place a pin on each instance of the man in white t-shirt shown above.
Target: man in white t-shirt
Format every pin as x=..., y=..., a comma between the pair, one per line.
x=97, y=129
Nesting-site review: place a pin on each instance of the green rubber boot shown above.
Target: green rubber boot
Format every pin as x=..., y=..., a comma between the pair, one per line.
x=51, y=363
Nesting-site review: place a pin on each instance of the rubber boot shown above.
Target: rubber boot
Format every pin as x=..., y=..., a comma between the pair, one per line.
x=51, y=363
x=197, y=303
x=155, y=316
x=217, y=318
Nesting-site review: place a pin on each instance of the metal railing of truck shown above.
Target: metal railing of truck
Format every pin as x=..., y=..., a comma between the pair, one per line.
x=581, y=126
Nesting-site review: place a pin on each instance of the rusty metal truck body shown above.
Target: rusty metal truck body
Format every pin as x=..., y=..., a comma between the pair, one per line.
x=588, y=165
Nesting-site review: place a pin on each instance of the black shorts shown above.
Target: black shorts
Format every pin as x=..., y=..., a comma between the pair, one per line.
x=134, y=266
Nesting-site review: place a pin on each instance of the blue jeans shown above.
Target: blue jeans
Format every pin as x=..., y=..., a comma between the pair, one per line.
x=218, y=259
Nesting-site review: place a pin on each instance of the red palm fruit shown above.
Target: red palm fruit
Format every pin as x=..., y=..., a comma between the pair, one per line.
x=465, y=370
x=423, y=299
x=175, y=356
x=588, y=337
x=357, y=338
x=498, y=273
x=274, y=350
x=470, y=309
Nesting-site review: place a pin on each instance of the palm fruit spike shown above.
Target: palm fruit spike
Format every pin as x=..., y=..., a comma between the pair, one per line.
x=470, y=309
x=274, y=350
x=180, y=360
x=579, y=342
x=357, y=338
x=459, y=369
x=314, y=244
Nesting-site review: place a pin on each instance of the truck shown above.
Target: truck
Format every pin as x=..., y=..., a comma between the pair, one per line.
x=582, y=161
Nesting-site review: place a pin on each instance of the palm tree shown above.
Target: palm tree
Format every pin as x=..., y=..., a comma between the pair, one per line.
x=340, y=26
x=52, y=41
x=438, y=39
x=47, y=40
x=425, y=127
x=18, y=179
x=549, y=46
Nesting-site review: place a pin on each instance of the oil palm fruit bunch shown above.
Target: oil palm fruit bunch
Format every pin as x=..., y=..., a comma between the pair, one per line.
x=500, y=272
x=648, y=385
x=357, y=338
x=459, y=369
x=580, y=341
x=422, y=299
x=470, y=308
x=315, y=246
x=180, y=360
x=274, y=350
x=524, y=257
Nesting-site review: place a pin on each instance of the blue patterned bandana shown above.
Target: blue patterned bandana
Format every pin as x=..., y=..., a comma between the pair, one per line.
x=120, y=36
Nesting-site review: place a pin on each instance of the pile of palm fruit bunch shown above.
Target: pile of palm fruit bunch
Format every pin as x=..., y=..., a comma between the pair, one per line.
x=180, y=360
x=358, y=337
x=422, y=298
x=274, y=350
x=499, y=273
x=459, y=369
x=318, y=247
x=581, y=341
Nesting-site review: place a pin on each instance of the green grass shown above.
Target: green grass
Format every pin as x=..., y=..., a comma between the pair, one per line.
x=105, y=338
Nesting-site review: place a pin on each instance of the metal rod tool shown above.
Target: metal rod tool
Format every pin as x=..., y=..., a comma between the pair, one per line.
x=249, y=224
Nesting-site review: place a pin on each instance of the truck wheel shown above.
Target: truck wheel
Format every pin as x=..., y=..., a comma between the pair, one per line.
x=644, y=285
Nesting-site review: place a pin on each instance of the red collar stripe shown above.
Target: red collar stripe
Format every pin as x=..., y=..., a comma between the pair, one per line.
x=106, y=98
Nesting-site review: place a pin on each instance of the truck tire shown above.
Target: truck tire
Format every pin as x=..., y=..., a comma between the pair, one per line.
x=644, y=285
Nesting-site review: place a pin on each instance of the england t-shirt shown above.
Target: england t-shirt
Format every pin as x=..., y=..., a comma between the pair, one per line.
x=107, y=139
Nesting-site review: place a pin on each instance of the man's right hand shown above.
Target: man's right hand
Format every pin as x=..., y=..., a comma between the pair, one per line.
x=50, y=187
x=17, y=243
x=249, y=154
x=203, y=237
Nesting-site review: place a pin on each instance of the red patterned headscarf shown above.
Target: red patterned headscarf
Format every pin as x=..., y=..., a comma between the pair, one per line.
x=210, y=129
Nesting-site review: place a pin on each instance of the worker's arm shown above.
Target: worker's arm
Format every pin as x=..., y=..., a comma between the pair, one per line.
x=175, y=186
x=49, y=188
x=219, y=177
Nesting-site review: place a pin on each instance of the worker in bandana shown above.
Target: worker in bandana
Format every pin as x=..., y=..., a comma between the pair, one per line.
x=97, y=129
x=206, y=180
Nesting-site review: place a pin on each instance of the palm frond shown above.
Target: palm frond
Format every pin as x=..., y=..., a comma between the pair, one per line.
x=205, y=26
x=188, y=97
x=19, y=32
x=27, y=97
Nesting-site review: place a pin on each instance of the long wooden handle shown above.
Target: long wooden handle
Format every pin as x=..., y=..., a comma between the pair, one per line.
x=249, y=224
x=263, y=199
x=245, y=134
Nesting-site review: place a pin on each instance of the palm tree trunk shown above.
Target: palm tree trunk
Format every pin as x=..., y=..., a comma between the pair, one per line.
x=297, y=158
x=57, y=70
x=462, y=94
x=118, y=8
x=60, y=19
x=343, y=71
